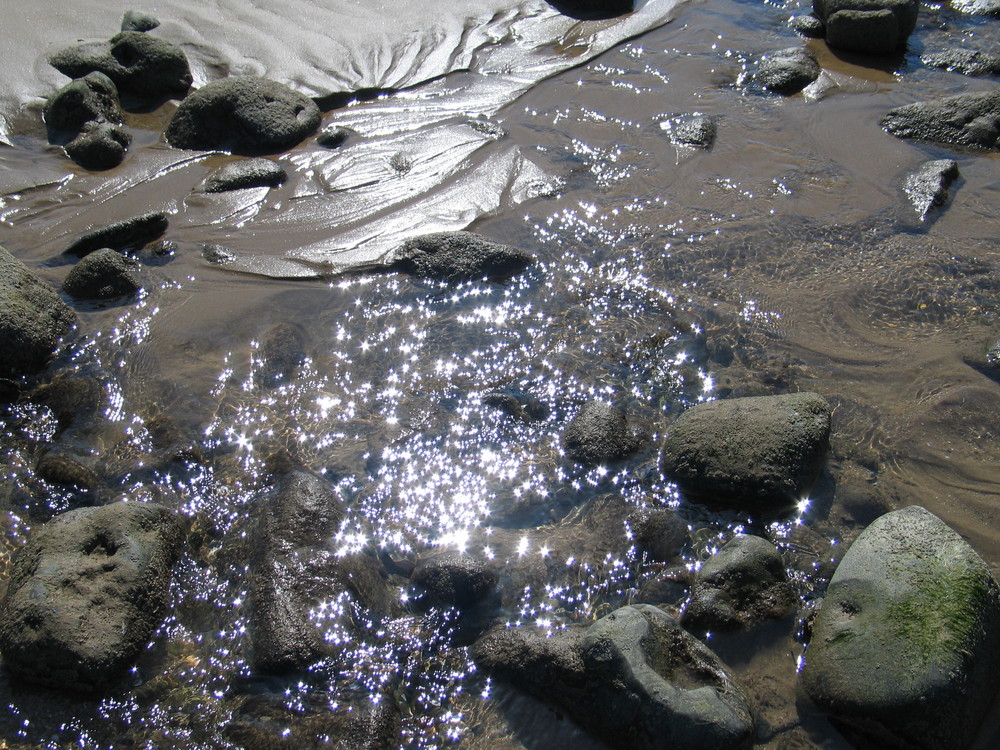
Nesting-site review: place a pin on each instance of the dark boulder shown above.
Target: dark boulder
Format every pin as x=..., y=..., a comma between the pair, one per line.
x=101, y=145
x=965, y=61
x=875, y=27
x=93, y=98
x=103, y=274
x=458, y=256
x=33, y=319
x=143, y=67
x=743, y=583
x=598, y=433
x=454, y=579
x=121, y=235
x=927, y=188
x=248, y=173
x=86, y=594
x=787, y=71
x=243, y=115
x=59, y=467
x=691, y=130
x=904, y=647
x=334, y=136
x=764, y=451
x=962, y=120
x=659, y=532
x=808, y=25
x=135, y=20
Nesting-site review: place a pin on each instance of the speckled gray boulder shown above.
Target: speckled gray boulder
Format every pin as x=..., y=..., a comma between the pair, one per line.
x=142, y=66
x=91, y=98
x=968, y=62
x=787, y=71
x=962, y=120
x=33, y=319
x=458, y=256
x=243, y=115
x=246, y=173
x=86, y=594
x=763, y=451
x=104, y=274
x=100, y=145
x=904, y=649
x=599, y=433
x=742, y=584
x=876, y=27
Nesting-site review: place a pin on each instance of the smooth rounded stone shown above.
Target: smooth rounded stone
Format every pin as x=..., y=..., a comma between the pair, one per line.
x=57, y=467
x=962, y=120
x=86, y=594
x=692, y=130
x=808, y=25
x=334, y=136
x=659, y=532
x=243, y=115
x=33, y=319
x=121, y=235
x=927, y=188
x=93, y=98
x=904, y=647
x=875, y=27
x=787, y=71
x=454, y=579
x=458, y=256
x=965, y=61
x=103, y=274
x=282, y=353
x=141, y=66
x=248, y=173
x=599, y=433
x=743, y=583
x=136, y=20
x=549, y=667
x=763, y=451
x=101, y=145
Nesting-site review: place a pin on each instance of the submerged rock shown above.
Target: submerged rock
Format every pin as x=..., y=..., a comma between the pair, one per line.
x=454, y=579
x=659, y=532
x=86, y=594
x=458, y=256
x=135, y=20
x=762, y=451
x=334, y=136
x=875, y=27
x=965, y=61
x=244, y=115
x=962, y=120
x=927, y=188
x=517, y=404
x=282, y=353
x=248, y=173
x=103, y=274
x=742, y=584
x=787, y=71
x=121, y=235
x=904, y=647
x=635, y=678
x=58, y=467
x=33, y=319
x=598, y=433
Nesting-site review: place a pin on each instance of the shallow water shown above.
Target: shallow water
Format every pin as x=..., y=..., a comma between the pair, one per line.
x=785, y=258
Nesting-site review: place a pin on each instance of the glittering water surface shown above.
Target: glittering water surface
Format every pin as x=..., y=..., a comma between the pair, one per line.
x=784, y=258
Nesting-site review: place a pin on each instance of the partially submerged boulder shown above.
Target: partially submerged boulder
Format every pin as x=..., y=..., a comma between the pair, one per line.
x=104, y=274
x=763, y=451
x=787, y=71
x=128, y=234
x=742, y=584
x=875, y=27
x=904, y=647
x=690, y=130
x=245, y=115
x=33, y=319
x=246, y=173
x=143, y=67
x=961, y=120
x=659, y=532
x=99, y=146
x=927, y=188
x=86, y=594
x=968, y=62
x=85, y=116
x=635, y=678
x=600, y=432
x=454, y=579
x=458, y=256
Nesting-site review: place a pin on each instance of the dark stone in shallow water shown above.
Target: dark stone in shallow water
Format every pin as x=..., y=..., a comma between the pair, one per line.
x=598, y=433
x=962, y=120
x=244, y=115
x=91, y=98
x=58, y=467
x=978, y=7
x=659, y=532
x=927, y=188
x=875, y=27
x=283, y=352
x=454, y=579
x=248, y=173
x=965, y=61
x=458, y=256
x=101, y=145
x=86, y=594
x=122, y=235
x=808, y=25
x=135, y=20
x=694, y=131
x=787, y=71
x=103, y=274
x=334, y=136
x=33, y=319
x=142, y=66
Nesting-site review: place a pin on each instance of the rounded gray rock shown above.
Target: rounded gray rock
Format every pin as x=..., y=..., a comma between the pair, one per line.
x=454, y=579
x=104, y=274
x=101, y=145
x=961, y=120
x=787, y=71
x=598, y=433
x=93, y=97
x=247, y=173
x=243, y=115
x=904, y=647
